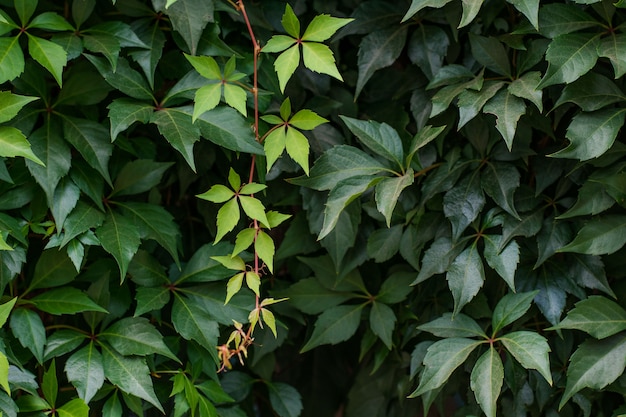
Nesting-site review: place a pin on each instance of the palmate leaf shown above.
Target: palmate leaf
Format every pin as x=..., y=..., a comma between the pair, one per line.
x=596, y=315
x=595, y=364
x=334, y=325
x=592, y=134
x=119, y=237
x=442, y=358
x=487, y=379
x=323, y=26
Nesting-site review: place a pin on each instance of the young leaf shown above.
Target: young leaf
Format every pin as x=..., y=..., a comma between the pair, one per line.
x=449, y=325
x=13, y=143
x=596, y=315
x=233, y=286
x=254, y=209
x=286, y=64
x=253, y=281
x=306, y=120
x=50, y=55
x=236, y=97
x=264, y=247
x=290, y=22
x=487, y=379
x=73, y=408
x=206, y=98
x=5, y=310
x=335, y=325
x=322, y=27
x=85, y=371
x=530, y=350
x=510, y=308
x=297, y=147
x=442, y=358
x=206, y=66
x=244, y=240
x=319, y=58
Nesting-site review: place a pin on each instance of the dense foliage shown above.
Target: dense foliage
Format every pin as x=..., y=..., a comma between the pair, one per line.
x=314, y=208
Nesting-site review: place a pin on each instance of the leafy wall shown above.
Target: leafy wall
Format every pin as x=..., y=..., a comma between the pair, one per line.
x=314, y=208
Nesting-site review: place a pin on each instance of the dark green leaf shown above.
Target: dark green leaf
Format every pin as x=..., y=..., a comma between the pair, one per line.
x=27, y=327
x=382, y=322
x=463, y=203
x=11, y=59
x=598, y=316
x=104, y=43
x=438, y=257
x=124, y=78
x=310, y=297
x=124, y=112
x=383, y=244
x=176, y=126
x=54, y=268
x=591, y=92
x=508, y=108
x=612, y=47
x=601, y=235
x=417, y=5
x=203, y=268
x=471, y=102
x=66, y=300
x=500, y=181
x=85, y=371
x=334, y=325
x=285, y=399
x=588, y=271
x=491, y=53
x=510, y=308
x=465, y=277
x=151, y=35
x=381, y=139
x=449, y=325
x=427, y=48
x=61, y=342
x=487, y=379
x=93, y=142
x=119, y=237
x=136, y=336
x=150, y=299
x=504, y=261
x=569, y=57
x=530, y=9
x=526, y=87
x=193, y=322
x=189, y=18
x=64, y=200
x=82, y=218
x=557, y=19
x=388, y=192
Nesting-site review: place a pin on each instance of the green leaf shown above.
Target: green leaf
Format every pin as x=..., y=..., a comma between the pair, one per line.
x=503, y=261
x=612, y=47
x=382, y=322
x=154, y=222
x=442, y=358
x=64, y=200
x=203, y=268
x=508, y=108
x=470, y=10
x=130, y=374
x=285, y=399
x=124, y=78
x=297, y=147
x=306, y=120
x=264, y=247
x=449, y=325
x=50, y=384
x=227, y=128
x=104, y=43
x=28, y=328
x=119, y=237
x=510, y=308
x=206, y=98
x=189, y=18
x=290, y=22
x=54, y=268
x=178, y=129
x=136, y=336
x=427, y=48
x=417, y=5
x=11, y=104
x=465, y=277
x=388, y=192
x=227, y=218
x=322, y=27
x=13, y=143
x=149, y=299
x=85, y=371
x=335, y=325
x=378, y=50
x=236, y=97
x=471, y=102
x=82, y=218
x=442, y=98
x=206, y=66
x=274, y=145
x=463, y=203
x=74, y=408
x=489, y=52
x=591, y=92
x=595, y=364
x=596, y=315
x=139, y=176
x=193, y=322
x=11, y=59
x=384, y=243
x=233, y=286
x=426, y=135
x=278, y=43
x=25, y=10
x=487, y=379
x=5, y=310
x=569, y=57
x=124, y=112
x=286, y=64
x=592, y=134
x=557, y=19
x=319, y=58
x=61, y=342
x=66, y=300
x=438, y=257
x=93, y=142
x=530, y=350
x=4, y=373
x=530, y=9
x=589, y=272
x=336, y=164
x=50, y=55
x=311, y=297
x=526, y=87
x=600, y=236
x=253, y=209
x=500, y=181
x=380, y=138
x=217, y=194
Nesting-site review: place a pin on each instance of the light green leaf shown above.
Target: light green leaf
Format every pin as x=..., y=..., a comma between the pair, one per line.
x=85, y=371
x=290, y=22
x=274, y=145
x=254, y=209
x=335, y=325
x=382, y=322
x=526, y=87
x=531, y=350
x=13, y=143
x=322, y=27
x=124, y=112
x=218, y=193
x=206, y=98
x=74, y=408
x=66, y=300
x=4, y=374
x=285, y=399
x=253, y=281
x=50, y=55
x=227, y=218
x=388, y=192
x=378, y=50
x=487, y=379
x=489, y=52
x=336, y=164
x=25, y=10
x=236, y=97
x=92, y=140
x=470, y=10
x=136, y=336
x=442, y=358
x=278, y=43
x=11, y=104
x=600, y=236
x=11, y=59
x=449, y=325
x=508, y=108
x=595, y=364
x=510, y=308
x=178, y=129
x=206, y=66
x=465, y=277
x=5, y=310
x=297, y=147
x=569, y=57
x=503, y=261
x=286, y=64
x=592, y=134
x=613, y=47
x=591, y=92
x=130, y=374
x=306, y=120
x=233, y=286
x=139, y=176
x=264, y=247
x=380, y=138
x=596, y=315
x=27, y=327
x=530, y=9
x=119, y=237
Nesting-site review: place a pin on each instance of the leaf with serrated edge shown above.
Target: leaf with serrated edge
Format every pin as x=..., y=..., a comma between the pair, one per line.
x=11, y=104
x=382, y=322
x=323, y=27
x=458, y=325
x=510, y=308
x=442, y=358
x=319, y=58
x=531, y=350
x=470, y=10
x=380, y=138
x=526, y=87
x=65, y=301
x=254, y=209
x=504, y=261
x=487, y=379
x=179, y=130
x=388, y=192
x=264, y=247
x=508, y=109
x=529, y=8
x=600, y=236
x=85, y=371
x=285, y=399
x=235, y=97
x=471, y=102
x=417, y=5
x=119, y=237
x=597, y=315
x=13, y=143
x=500, y=181
x=124, y=112
x=465, y=277
x=11, y=59
x=334, y=325
x=595, y=364
x=306, y=120
x=50, y=55
x=286, y=64
x=297, y=147
x=206, y=98
x=27, y=327
x=613, y=47
x=136, y=336
x=569, y=57
x=490, y=52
